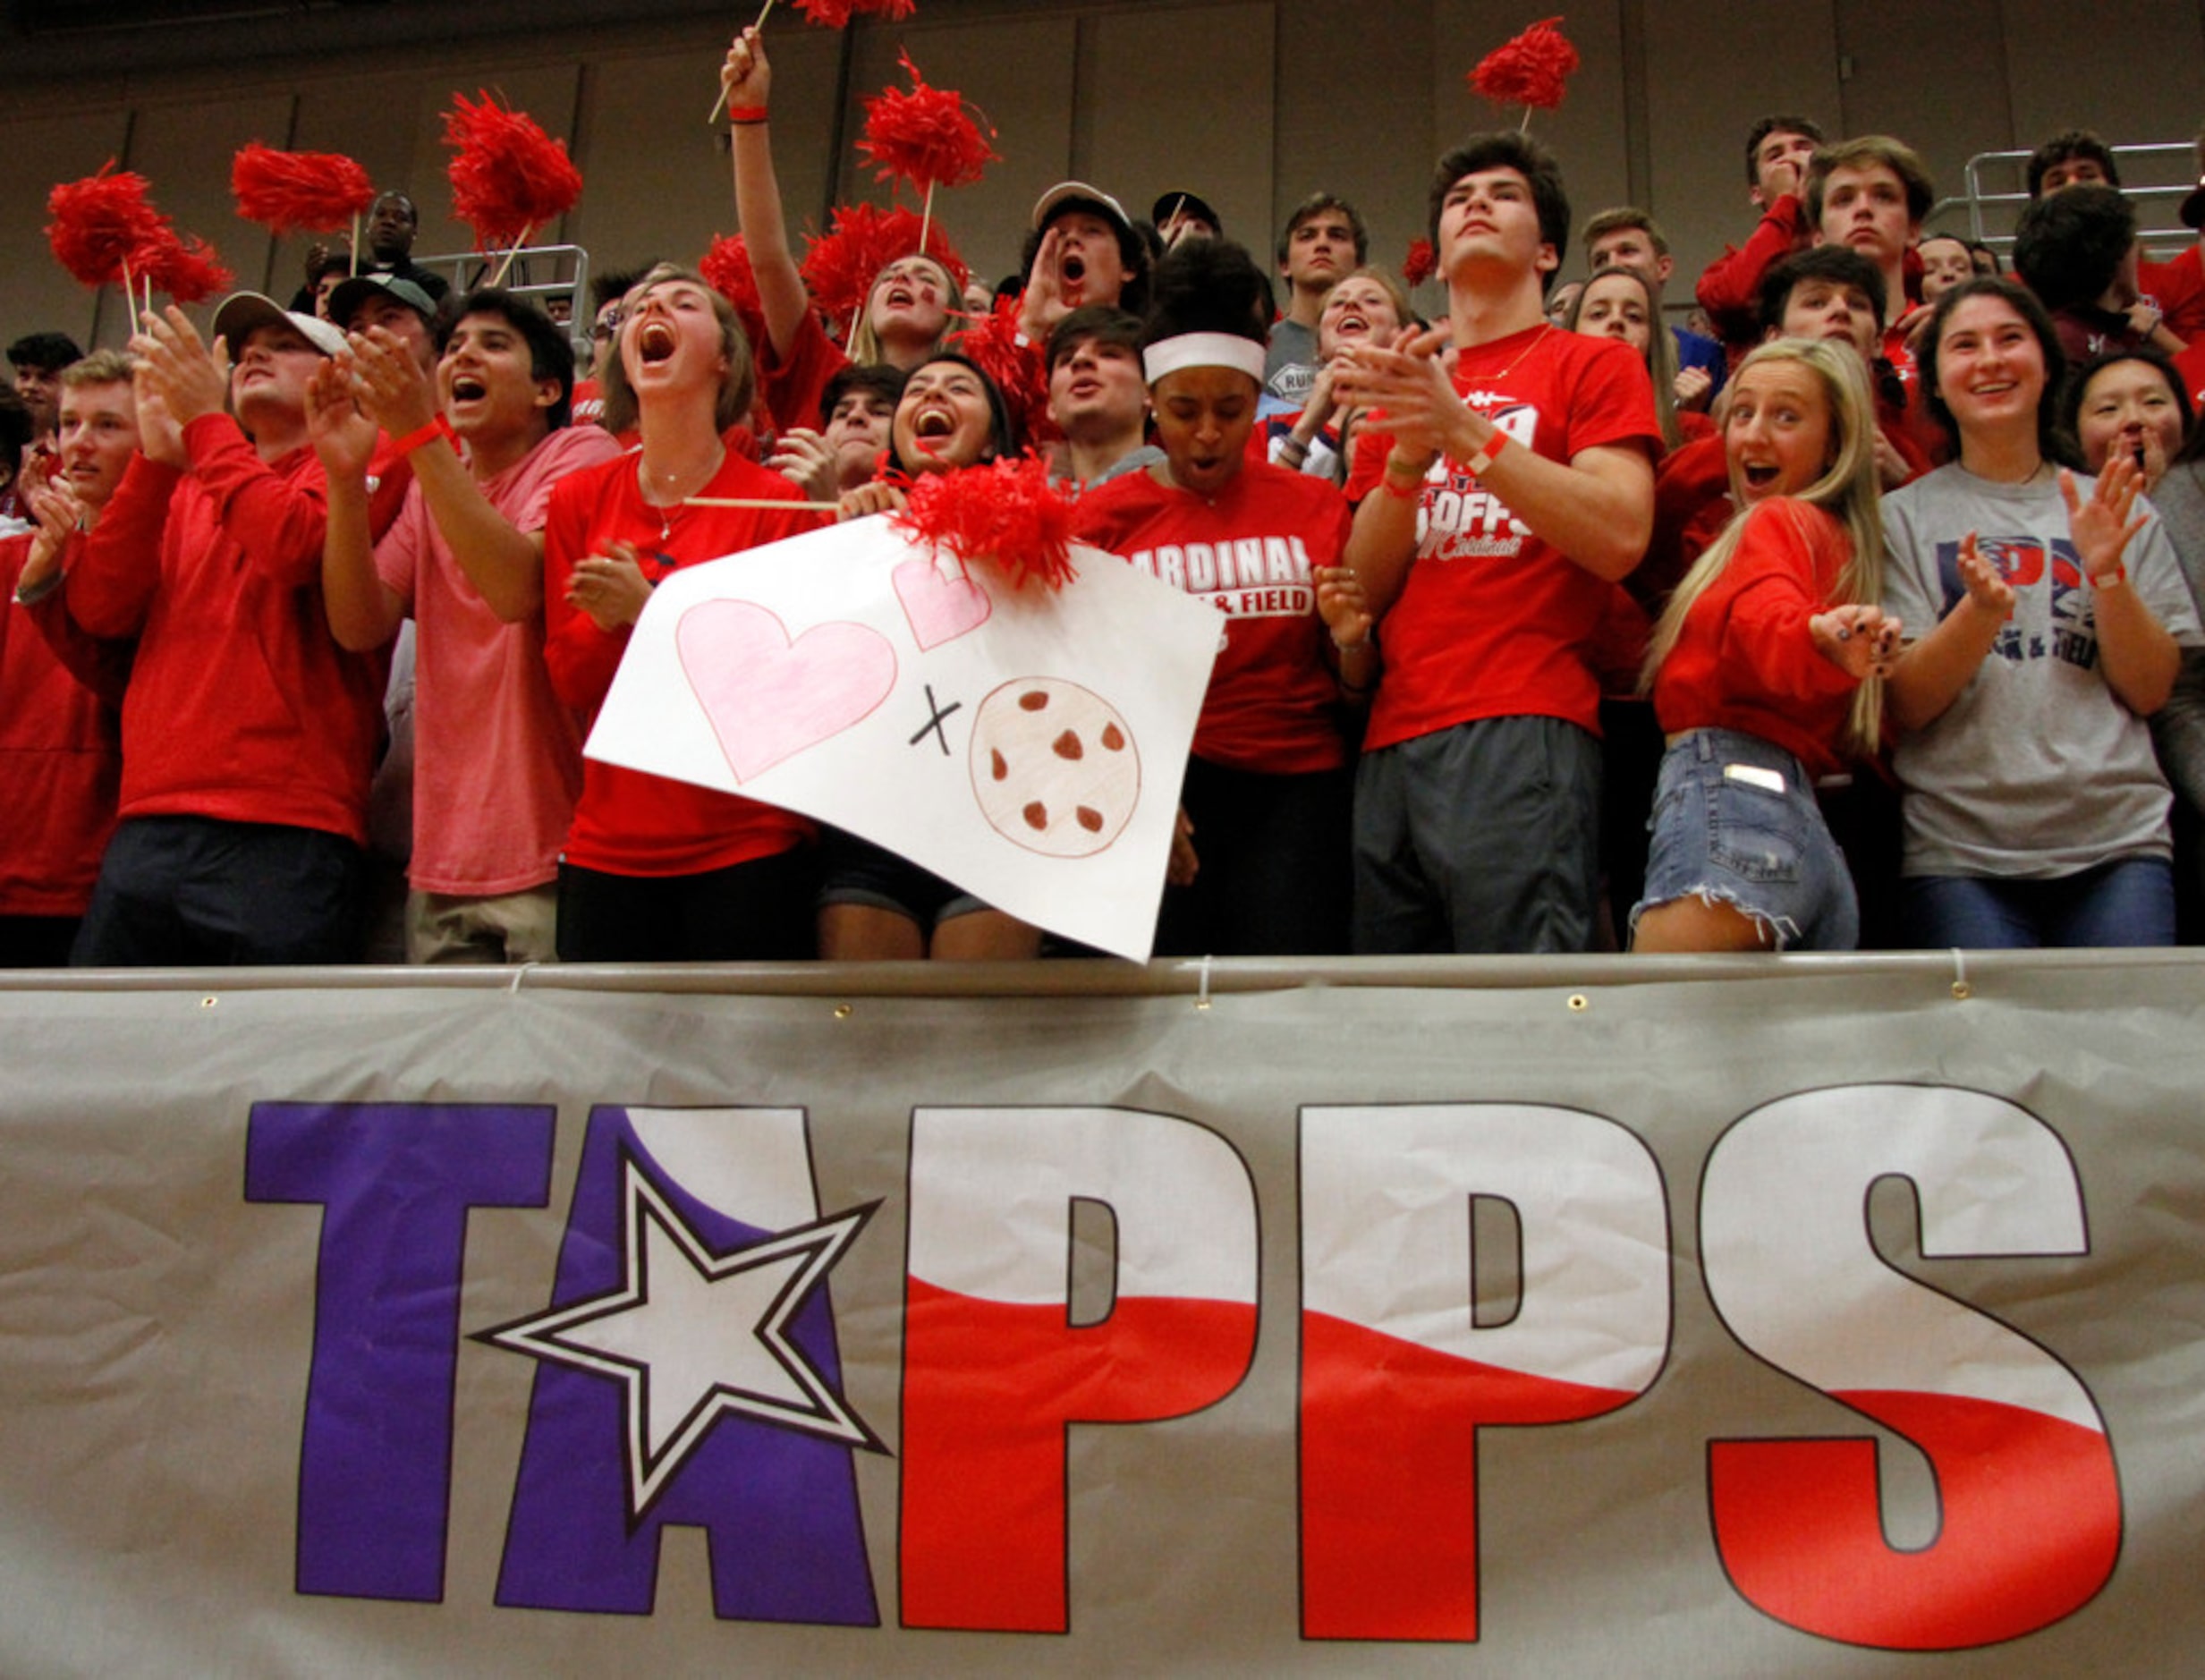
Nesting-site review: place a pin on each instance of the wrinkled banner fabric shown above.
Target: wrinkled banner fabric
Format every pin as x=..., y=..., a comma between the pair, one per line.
x=1827, y=1319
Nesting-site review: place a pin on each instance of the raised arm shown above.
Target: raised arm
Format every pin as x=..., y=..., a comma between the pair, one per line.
x=2137, y=655
x=748, y=80
x=1929, y=675
x=363, y=612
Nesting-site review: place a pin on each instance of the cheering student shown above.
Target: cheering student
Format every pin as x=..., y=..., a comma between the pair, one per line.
x=1262, y=863
x=875, y=905
x=497, y=755
x=1764, y=669
x=657, y=869
x=61, y=756
x=1496, y=510
x=2035, y=811
x=907, y=315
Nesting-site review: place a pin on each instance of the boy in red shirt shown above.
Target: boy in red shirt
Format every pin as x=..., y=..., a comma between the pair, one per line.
x=248, y=734
x=1497, y=507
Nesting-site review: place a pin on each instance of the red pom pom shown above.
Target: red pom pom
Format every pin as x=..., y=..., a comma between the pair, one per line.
x=1007, y=513
x=188, y=270
x=726, y=269
x=839, y=267
x=925, y=137
x=991, y=342
x=1529, y=71
x=290, y=191
x=100, y=222
x=508, y=176
x=1420, y=264
x=834, y=13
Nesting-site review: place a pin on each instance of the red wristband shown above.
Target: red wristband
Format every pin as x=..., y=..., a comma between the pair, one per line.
x=745, y=113
x=438, y=427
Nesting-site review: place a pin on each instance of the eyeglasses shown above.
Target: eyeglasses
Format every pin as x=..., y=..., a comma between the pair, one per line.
x=607, y=324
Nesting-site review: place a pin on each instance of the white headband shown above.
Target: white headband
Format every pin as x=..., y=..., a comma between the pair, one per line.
x=1203, y=350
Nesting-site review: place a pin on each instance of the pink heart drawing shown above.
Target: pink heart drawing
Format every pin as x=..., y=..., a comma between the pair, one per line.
x=769, y=698
x=940, y=608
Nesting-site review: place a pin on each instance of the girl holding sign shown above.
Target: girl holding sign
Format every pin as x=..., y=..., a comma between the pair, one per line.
x=1262, y=866
x=656, y=869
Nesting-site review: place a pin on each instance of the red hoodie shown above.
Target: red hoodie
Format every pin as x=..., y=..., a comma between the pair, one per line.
x=241, y=707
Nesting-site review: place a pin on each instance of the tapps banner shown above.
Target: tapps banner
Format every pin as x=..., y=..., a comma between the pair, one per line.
x=1812, y=1318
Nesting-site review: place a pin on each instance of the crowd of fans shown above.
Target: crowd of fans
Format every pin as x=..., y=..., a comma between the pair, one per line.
x=1862, y=611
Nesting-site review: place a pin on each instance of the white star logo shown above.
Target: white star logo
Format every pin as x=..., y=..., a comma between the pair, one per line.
x=692, y=1335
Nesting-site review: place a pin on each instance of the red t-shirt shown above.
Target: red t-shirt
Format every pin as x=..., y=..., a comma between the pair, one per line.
x=2177, y=289
x=1744, y=660
x=1494, y=621
x=793, y=384
x=629, y=822
x=1272, y=704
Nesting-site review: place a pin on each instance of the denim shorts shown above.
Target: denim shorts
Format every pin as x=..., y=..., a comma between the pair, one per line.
x=1735, y=823
x=855, y=872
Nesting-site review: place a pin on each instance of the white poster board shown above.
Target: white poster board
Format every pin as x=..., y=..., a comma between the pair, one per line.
x=1025, y=744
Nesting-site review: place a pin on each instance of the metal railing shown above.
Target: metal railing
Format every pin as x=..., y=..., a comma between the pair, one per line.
x=1996, y=191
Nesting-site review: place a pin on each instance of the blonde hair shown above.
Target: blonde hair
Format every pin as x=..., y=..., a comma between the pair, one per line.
x=1660, y=344
x=1849, y=490
x=865, y=343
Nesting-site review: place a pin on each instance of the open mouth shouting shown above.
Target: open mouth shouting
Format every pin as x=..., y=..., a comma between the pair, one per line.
x=655, y=341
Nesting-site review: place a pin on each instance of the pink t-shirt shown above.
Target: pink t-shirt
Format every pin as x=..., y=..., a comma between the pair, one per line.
x=498, y=756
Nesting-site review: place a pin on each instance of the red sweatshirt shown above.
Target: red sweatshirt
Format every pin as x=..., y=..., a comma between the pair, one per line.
x=1744, y=660
x=242, y=706
x=60, y=757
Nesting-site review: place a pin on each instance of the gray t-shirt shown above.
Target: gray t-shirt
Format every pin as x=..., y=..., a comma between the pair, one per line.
x=2036, y=770
x=1289, y=365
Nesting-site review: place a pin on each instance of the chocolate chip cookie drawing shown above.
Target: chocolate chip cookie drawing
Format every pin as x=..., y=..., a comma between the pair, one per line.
x=1054, y=767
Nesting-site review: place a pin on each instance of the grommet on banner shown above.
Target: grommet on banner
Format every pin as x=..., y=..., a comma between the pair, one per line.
x=208, y=1003
x=1579, y=1003
x=1960, y=989
x=842, y=1012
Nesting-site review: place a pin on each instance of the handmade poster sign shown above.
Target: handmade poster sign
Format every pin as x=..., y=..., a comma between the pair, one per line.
x=1026, y=744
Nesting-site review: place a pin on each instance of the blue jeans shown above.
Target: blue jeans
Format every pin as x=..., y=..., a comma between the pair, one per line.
x=2128, y=902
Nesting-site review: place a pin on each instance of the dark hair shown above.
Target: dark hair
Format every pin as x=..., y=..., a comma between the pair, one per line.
x=1874, y=151
x=16, y=430
x=1316, y=204
x=1778, y=123
x=1133, y=250
x=413, y=210
x=551, y=352
x=2050, y=444
x=1002, y=424
x=2069, y=245
x=1091, y=323
x=882, y=379
x=2065, y=146
x=2079, y=385
x=1505, y=149
x=1838, y=263
x=609, y=286
x=49, y=352
x=1978, y=248
x=1208, y=285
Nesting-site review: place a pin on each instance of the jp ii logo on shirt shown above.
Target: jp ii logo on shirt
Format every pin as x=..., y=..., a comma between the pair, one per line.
x=1460, y=519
